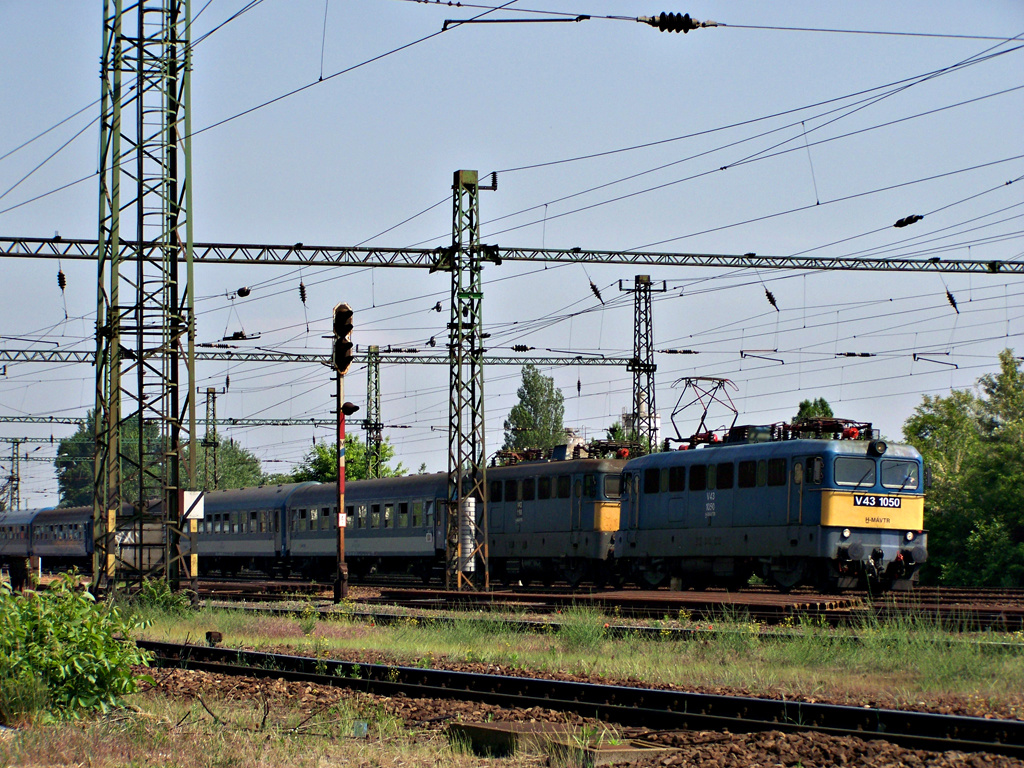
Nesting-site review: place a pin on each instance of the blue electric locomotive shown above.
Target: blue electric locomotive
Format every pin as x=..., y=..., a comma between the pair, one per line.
x=833, y=513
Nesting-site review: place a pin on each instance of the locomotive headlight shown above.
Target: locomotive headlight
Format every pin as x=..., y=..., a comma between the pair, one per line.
x=846, y=533
x=910, y=535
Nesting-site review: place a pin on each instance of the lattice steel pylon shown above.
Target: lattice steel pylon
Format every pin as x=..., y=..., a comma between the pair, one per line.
x=642, y=365
x=467, y=457
x=372, y=424
x=145, y=407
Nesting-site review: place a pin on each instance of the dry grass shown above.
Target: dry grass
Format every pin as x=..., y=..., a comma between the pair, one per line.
x=223, y=733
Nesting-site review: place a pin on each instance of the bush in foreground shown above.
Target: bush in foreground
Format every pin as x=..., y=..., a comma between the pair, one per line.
x=61, y=651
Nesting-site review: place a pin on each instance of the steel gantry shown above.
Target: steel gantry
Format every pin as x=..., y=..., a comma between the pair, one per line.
x=145, y=409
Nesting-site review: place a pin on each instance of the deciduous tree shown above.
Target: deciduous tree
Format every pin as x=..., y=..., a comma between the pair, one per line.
x=536, y=420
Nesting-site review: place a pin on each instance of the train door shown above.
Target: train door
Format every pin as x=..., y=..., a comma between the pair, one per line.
x=632, y=506
x=795, y=514
x=576, y=510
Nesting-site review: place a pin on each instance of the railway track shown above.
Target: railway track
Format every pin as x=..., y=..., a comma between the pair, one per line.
x=650, y=708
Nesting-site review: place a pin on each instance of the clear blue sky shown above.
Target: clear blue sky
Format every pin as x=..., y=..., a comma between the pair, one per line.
x=354, y=155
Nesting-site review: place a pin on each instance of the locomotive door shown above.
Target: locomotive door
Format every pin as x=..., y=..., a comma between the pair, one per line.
x=576, y=511
x=795, y=514
x=632, y=506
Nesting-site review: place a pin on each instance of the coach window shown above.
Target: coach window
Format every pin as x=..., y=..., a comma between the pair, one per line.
x=328, y=518
x=361, y=516
x=652, y=480
x=375, y=515
x=544, y=487
x=746, y=476
x=495, y=494
x=564, y=486
x=725, y=472
x=430, y=515
x=403, y=514
x=511, y=490
x=314, y=520
x=776, y=471
x=389, y=515
x=234, y=522
x=698, y=477
x=254, y=521
x=417, y=514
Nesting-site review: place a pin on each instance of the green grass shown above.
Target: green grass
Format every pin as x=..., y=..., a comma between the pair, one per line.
x=893, y=663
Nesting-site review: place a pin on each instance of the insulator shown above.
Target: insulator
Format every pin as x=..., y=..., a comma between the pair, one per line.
x=771, y=299
x=675, y=22
x=952, y=301
x=62, y=281
x=907, y=221
x=227, y=383
x=302, y=291
x=521, y=348
x=579, y=387
x=596, y=291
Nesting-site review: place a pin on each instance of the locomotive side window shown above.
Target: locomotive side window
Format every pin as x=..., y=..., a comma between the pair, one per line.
x=762, y=473
x=544, y=487
x=698, y=477
x=564, y=484
x=776, y=471
x=612, y=486
x=725, y=475
x=529, y=486
x=815, y=470
x=855, y=471
x=511, y=490
x=652, y=480
x=746, y=475
x=495, y=494
x=590, y=486
x=577, y=488
x=712, y=477
x=676, y=479
x=902, y=475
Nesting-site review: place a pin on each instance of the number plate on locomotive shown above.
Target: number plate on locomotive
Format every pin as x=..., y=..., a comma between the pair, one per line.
x=878, y=502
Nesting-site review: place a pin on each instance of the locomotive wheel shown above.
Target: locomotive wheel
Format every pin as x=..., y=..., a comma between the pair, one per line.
x=785, y=579
x=574, y=573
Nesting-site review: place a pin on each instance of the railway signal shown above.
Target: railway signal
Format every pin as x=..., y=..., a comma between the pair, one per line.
x=343, y=349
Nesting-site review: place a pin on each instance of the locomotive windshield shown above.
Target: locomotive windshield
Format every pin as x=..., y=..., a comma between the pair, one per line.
x=855, y=471
x=902, y=475
x=612, y=486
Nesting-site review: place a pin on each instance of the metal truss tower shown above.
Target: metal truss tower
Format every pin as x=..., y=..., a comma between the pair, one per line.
x=210, y=441
x=642, y=365
x=145, y=407
x=467, y=456
x=372, y=424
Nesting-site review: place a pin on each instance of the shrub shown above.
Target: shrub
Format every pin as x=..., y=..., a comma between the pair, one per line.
x=156, y=594
x=63, y=643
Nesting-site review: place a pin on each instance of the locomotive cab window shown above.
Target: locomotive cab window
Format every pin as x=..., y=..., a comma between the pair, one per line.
x=855, y=471
x=902, y=475
x=815, y=470
x=612, y=486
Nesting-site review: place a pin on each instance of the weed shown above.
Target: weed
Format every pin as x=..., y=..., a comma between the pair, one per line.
x=308, y=619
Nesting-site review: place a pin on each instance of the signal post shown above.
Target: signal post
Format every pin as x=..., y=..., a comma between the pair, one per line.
x=341, y=359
